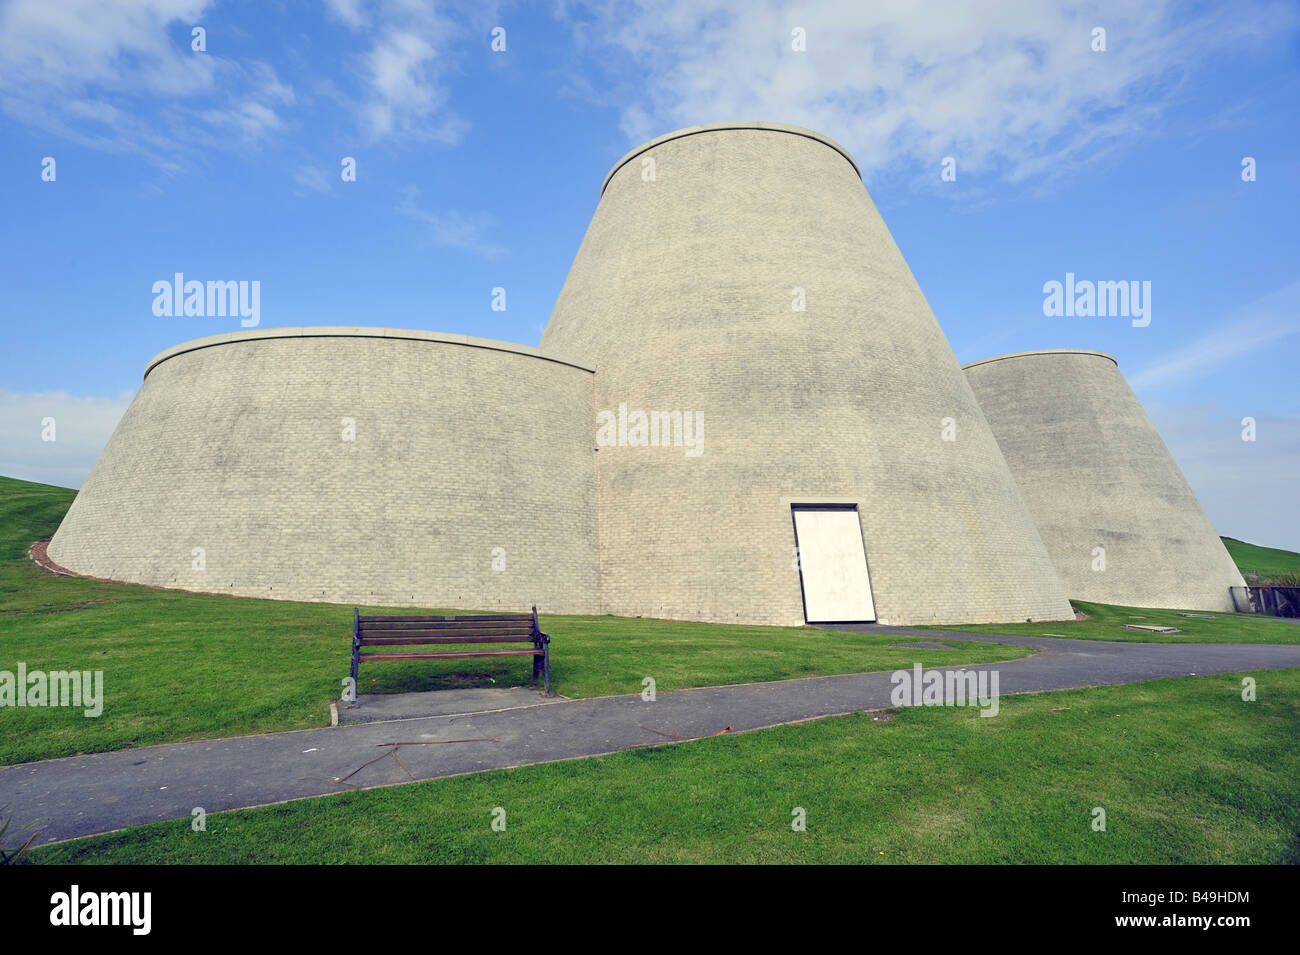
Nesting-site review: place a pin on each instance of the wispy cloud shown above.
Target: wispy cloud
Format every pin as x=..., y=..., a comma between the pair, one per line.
x=1256, y=326
x=451, y=228
x=248, y=119
x=313, y=177
x=350, y=12
x=1012, y=89
x=120, y=76
x=412, y=50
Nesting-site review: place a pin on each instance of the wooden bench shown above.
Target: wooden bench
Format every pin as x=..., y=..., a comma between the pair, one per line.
x=468, y=629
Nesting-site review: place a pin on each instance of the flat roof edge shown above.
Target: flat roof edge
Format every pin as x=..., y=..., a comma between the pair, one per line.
x=345, y=331
x=1043, y=351
x=720, y=127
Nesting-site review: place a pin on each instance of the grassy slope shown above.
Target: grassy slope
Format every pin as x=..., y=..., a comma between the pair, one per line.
x=1266, y=561
x=1186, y=771
x=188, y=666
x=1105, y=622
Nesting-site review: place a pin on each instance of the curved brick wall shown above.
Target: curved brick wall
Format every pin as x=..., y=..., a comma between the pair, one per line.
x=681, y=298
x=235, y=444
x=1095, y=473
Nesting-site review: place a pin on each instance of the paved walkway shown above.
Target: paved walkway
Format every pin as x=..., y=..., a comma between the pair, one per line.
x=83, y=795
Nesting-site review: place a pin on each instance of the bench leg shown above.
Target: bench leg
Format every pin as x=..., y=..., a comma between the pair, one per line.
x=546, y=665
x=356, y=647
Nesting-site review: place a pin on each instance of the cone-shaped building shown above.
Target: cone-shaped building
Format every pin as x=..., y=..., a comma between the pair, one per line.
x=769, y=374
x=1117, y=515
x=743, y=410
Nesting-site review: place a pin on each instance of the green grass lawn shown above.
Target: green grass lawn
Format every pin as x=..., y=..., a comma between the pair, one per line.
x=1105, y=622
x=1185, y=770
x=1267, y=562
x=181, y=666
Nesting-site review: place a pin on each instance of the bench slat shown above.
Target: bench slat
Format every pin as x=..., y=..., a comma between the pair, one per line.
x=447, y=631
x=402, y=640
x=452, y=656
x=437, y=630
x=464, y=622
x=425, y=628
x=441, y=625
x=473, y=618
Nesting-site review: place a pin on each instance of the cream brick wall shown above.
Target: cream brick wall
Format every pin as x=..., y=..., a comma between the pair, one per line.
x=234, y=444
x=681, y=298
x=1095, y=473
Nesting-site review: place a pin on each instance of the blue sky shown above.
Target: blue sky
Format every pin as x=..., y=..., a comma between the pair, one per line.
x=478, y=169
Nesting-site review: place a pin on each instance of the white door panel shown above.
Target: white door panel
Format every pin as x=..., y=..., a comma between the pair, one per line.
x=833, y=565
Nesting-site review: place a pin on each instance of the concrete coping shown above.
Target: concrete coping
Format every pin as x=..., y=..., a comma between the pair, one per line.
x=344, y=331
x=1044, y=351
x=719, y=127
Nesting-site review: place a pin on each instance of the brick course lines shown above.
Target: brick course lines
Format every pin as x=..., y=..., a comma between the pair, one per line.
x=235, y=445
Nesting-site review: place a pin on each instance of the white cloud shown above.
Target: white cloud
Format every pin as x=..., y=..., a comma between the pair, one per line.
x=1256, y=326
x=119, y=75
x=401, y=75
x=1013, y=89
x=313, y=178
x=351, y=12
x=413, y=50
x=249, y=119
x=451, y=228
x=82, y=426
x=110, y=43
